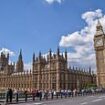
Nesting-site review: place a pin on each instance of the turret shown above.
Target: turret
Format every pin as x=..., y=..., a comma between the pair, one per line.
x=58, y=51
x=19, y=65
x=50, y=53
x=33, y=57
x=66, y=55
x=90, y=71
x=20, y=55
x=40, y=56
x=3, y=61
x=8, y=56
x=33, y=62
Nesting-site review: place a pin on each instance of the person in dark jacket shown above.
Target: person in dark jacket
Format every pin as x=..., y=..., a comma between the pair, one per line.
x=37, y=93
x=25, y=93
x=40, y=95
x=10, y=94
x=52, y=94
x=7, y=95
x=33, y=95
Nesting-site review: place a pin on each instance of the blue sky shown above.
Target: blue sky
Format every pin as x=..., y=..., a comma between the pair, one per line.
x=38, y=25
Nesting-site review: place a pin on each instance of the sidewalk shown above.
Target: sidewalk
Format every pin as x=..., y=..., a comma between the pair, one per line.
x=37, y=101
x=29, y=100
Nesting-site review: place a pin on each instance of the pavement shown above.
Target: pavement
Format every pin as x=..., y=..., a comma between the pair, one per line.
x=84, y=100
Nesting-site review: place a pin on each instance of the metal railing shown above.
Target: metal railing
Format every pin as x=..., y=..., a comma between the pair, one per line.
x=24, y=97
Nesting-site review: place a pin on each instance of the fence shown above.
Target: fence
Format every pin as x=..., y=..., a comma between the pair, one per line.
x=24, y=97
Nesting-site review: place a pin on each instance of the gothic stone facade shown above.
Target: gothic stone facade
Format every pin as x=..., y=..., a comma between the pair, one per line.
x=99, y=44
x=47, y=73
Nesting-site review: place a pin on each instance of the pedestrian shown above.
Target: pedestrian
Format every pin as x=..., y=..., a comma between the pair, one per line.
x=74, y=92
x=65, y=93
x=46, y=94
x=37, y=93
x=7, y=95
x=10, y=95
x=25, y=93
x=43, y=94
x=69, y=92
x=16, y=95
x=82, y=92
x=61, y=93
x=33, y=95
x=40, y=95
x=52, y=94
x=57, y=93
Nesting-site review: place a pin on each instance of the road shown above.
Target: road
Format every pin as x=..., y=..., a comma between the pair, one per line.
x=86, y=100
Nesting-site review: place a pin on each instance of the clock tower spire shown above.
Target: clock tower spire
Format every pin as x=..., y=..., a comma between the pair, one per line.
x=99, y=29
x=99, y=40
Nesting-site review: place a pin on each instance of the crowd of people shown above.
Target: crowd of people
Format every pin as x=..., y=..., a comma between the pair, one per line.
x=47, y=94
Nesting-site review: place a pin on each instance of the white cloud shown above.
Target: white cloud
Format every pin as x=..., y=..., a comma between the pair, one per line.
x=82, y=41
x=6, y=51
x=28, y=66
x=52, y=1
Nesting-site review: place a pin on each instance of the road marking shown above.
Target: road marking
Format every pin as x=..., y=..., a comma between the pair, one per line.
x=90, y=96
x=101, y=97
x=96, y=100
x=38, y=103
x=84, y=103
x=26, y=104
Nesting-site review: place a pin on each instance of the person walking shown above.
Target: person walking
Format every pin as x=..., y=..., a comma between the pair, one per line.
x=43, y=94
x=16, y=95
x=7, y=95
x=25, y=93
x=69, y=93
x=46, y=94
x=57, y=93
x=74, y=92
x=61, y=93
x=40, y=95
x=33, y=95
x=10, y=95
x=52, y=94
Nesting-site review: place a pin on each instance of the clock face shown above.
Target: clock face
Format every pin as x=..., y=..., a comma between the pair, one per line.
x=99, y=42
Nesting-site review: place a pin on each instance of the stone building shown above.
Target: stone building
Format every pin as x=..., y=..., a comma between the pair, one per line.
x=47, y=73
x=99, y=45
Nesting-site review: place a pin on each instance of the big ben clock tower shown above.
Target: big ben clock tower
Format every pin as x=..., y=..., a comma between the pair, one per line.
x=99, y=45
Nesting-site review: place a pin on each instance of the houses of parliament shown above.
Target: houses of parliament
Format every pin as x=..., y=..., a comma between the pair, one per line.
x=53, y=72
x=47, y=73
